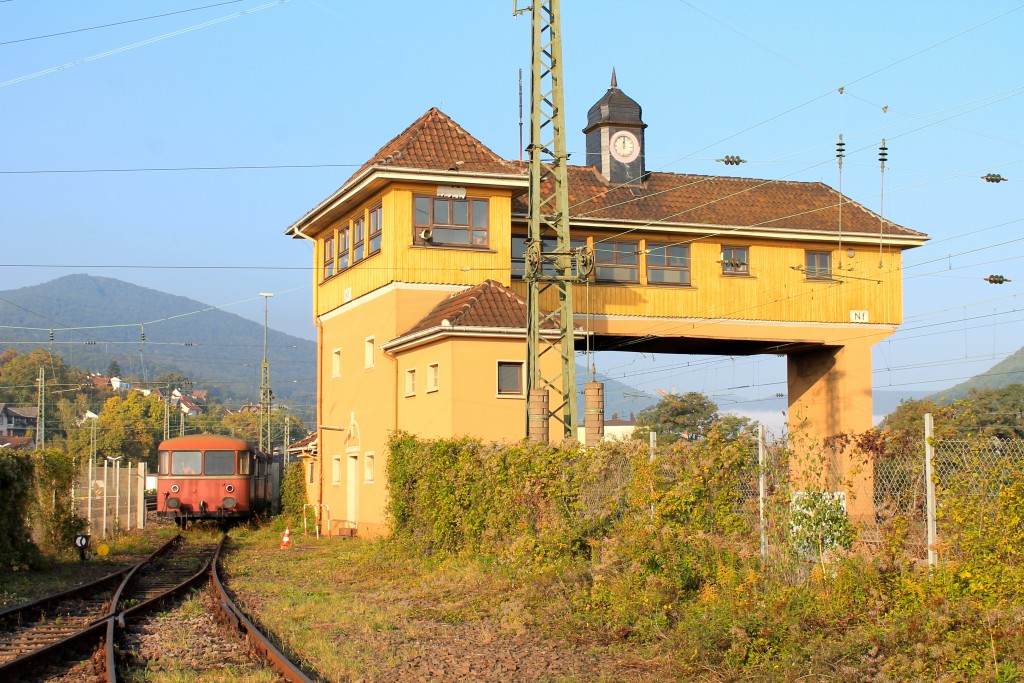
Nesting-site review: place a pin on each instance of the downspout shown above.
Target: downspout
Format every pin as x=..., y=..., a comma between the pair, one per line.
x=319, y=370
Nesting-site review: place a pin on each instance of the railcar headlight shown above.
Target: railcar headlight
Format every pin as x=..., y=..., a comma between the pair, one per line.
x=173, y=503
x=174, y=488
x=228, y=503
x=229, y=488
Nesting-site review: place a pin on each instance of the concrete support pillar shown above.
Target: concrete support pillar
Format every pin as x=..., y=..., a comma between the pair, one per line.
x=830, y=394
x=593, y=412
x=539, y=416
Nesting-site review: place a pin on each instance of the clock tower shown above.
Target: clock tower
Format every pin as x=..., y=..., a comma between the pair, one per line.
x=615, y=137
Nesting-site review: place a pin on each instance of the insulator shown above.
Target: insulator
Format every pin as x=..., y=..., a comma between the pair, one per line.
x=997, y=279
x=90, y=343
x=51, y=336
x=143, y=337
x=732, y=160
x=993, y=178
x=840, y=148
x=883, y=152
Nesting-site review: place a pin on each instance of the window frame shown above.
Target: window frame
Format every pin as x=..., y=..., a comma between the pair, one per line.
x=473, y=205
x=731, y=270
x=815, y=272
x=410, y=382
x=336, y=363
x=665, y=267
x=336, y=470
x=433, y=377
x=343, y=249
x=369, y=467
x=620, y=248
x=214, y=452
x=375, y=231
x=358, y=239
x=329, y=258
x=368, y=353
x=520, y=389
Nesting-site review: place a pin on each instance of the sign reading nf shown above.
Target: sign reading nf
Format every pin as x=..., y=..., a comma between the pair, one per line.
x=858, y=316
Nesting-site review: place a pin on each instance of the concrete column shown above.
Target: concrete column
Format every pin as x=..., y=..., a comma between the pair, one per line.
x=539, y=416
x=830, y=394
x=593, y=412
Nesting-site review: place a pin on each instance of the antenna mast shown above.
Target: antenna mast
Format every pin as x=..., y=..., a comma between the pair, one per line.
x=550, y=262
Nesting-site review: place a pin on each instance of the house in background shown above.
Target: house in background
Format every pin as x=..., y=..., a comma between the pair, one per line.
x=418, y=290
x=17, y=420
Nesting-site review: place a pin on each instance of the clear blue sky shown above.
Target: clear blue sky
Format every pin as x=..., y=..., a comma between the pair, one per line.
x=322, y=82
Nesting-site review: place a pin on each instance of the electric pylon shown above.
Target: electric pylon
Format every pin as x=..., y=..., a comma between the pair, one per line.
x=551, y=262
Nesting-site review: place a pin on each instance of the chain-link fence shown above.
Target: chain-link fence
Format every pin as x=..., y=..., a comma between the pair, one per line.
x=111, y=497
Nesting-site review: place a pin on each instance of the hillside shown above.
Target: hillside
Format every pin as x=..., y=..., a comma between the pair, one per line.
x=1008, y=371
x=218, y=350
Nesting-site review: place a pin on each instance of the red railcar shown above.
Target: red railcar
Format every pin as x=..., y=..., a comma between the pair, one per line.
x=209, y=476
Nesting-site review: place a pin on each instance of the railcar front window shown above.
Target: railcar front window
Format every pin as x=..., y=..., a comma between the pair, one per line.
x=220, y=462
x=243, y=462
x=162, y=462
x=186, y=462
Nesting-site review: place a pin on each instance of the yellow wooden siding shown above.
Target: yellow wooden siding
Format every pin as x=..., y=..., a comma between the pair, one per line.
x=774, y=290
x=399, y=260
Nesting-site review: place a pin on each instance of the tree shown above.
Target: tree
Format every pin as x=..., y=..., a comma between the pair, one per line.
x=131, y=426
x=173, y=380
x=677, y=416
x=114, y=369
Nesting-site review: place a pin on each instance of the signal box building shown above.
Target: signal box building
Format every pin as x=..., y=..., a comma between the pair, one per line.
x=419, y=298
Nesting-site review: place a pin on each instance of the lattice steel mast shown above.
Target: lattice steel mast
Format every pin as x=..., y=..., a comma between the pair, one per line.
x=550, y=261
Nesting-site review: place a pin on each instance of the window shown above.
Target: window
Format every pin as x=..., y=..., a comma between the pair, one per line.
x=376, y=229
x=510, y=378
x=336, y=470
x=163, y=462
x=244, y=458
x=368, y=467
x=735, y=261
x=668, y=264
x=336, y=363
x=343, y=254
x=519, y=254
x=329, y=257
x=358, y=240
x=311, y=471
x=410, y=382
x=455, y=222
x=186, y=462
x=819, y=265
x=616, y=261
x=219, y=462
x=433, y=376
x=368, y=353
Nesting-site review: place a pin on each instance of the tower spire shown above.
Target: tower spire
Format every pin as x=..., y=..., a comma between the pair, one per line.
x=615, y=83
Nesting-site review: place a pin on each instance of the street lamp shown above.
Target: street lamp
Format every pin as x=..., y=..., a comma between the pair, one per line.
x=266, y=395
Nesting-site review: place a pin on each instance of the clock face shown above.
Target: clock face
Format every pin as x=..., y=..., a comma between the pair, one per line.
x=624, y=146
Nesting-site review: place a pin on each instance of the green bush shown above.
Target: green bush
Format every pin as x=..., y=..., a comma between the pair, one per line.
x=54, y=510
x=293, y=495
x=17, y=551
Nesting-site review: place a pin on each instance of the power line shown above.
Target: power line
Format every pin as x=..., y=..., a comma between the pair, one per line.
x=158, y=169
x=117, y=23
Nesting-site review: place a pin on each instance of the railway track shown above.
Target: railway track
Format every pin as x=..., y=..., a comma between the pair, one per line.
x=83, y=628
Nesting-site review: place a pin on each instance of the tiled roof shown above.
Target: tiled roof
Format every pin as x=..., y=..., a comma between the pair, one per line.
x=303, y=442
x=16, y=441
x=489, y=304
x=435, y=142
x=718, y=201
x=27, y=412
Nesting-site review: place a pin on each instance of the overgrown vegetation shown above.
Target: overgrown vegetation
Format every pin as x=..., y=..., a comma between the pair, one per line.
x=17, y=551
x=664, y=554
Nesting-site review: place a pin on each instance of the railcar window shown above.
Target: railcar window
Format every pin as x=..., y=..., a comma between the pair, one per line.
x=186, y=462
x=220, y=462
x=163, y=462
x=244, y=458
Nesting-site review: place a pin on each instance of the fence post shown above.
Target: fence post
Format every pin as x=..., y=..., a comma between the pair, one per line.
x=128, y=495
x=117, y=496
x=762, y=489
x=142, y=497
x=106, y=488
x=929, y=483
x=91, y=493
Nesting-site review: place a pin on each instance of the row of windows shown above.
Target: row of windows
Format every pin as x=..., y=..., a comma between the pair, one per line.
x=369, y=468
x=351, y=244
x=369, y=352
x=667, y=264
x=455, y=222
x=210, y=463
x=509, y=379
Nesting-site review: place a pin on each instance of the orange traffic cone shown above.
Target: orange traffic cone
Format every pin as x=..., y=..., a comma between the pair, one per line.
x=286, y=540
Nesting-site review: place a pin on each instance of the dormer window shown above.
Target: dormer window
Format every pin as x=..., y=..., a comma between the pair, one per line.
x=444, y=221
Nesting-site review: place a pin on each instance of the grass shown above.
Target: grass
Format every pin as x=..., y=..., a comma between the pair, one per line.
x=67, y=571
